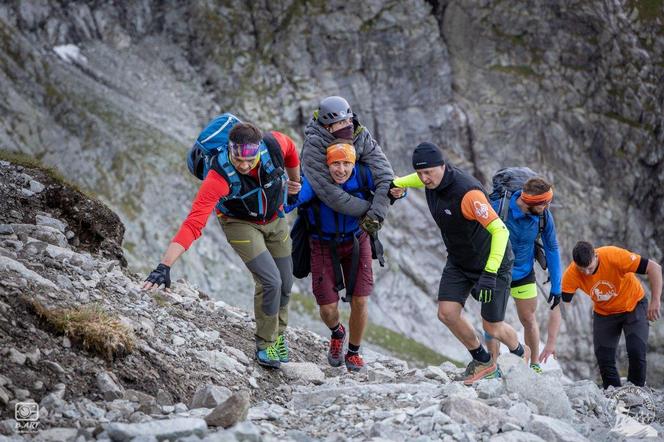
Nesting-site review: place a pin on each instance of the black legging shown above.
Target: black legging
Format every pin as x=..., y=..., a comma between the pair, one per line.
x=606, y=335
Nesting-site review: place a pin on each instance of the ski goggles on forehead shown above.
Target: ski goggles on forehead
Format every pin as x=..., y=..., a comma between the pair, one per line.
x=244, y=150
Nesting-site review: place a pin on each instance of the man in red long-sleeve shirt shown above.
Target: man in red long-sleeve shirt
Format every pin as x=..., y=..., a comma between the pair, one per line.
x=253, y=226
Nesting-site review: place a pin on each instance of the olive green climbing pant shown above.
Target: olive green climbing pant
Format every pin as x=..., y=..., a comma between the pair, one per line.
x=266, y=251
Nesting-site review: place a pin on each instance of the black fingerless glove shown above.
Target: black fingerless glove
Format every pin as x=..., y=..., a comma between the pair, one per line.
x=160, y=275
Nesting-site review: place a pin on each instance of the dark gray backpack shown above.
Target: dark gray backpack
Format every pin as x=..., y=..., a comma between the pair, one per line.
x=507, y=181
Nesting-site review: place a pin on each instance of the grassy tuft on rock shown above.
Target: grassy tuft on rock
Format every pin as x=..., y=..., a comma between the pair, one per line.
x=90, y=326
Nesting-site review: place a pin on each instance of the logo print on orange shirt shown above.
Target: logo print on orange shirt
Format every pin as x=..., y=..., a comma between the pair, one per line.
x=481, y=210
x=603, y=291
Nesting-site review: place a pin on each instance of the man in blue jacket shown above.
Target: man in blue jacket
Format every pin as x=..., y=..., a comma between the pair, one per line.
x=340, y=253
x=526, y=206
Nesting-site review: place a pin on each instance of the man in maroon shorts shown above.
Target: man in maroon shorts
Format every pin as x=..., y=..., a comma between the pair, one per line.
x=338, y=242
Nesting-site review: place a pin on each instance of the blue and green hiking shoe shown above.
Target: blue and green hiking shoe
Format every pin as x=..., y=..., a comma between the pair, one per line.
x=282, y=348
x=536, y=368
x=268, y=357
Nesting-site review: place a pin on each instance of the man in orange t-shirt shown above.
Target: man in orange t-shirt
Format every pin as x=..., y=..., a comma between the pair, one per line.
x=607, y=275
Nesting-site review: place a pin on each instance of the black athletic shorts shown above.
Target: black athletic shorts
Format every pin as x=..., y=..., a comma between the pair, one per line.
x=528, y=279
x=456, y=283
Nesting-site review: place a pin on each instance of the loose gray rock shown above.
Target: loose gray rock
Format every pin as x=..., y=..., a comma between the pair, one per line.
x=57, y=368
x=139, y=417
x=107, y=383
x=9, y=265
x=246, y=431
x=180, y=407
x=382, y=375
x=7, y=427
x=588, y=394
x=432, y=372
x=43, y=220
x=138, y=396
x=489, y=388
x=57, y=435
x=553, y=430
x=21, y=394
x=178, y=340
x=459, y=390
x=42, y=233
x=520, y=411
x=474, y=412
x=266, y=411
x=16, y=356
x=209, y=396
x=516, y=436
x=33, y=356
x=230, y=412
x=54, y=401
x=36, y=186
x=305, y=371
x=164, y=397
x=92, y=409
x=163, y=429
x=545, y=392
x=5, y=395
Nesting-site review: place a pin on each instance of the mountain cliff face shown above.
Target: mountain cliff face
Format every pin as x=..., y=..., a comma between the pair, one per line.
x=572, y=90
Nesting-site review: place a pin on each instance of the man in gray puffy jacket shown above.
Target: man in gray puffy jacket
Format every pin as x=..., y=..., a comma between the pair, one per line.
x=334, y=119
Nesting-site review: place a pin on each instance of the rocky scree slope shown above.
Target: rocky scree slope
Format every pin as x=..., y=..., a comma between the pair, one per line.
x=571, y=89
x=185, y=369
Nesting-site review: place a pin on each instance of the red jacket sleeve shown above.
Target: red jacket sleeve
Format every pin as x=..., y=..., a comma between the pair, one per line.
x=291, y=158
x=213, y=188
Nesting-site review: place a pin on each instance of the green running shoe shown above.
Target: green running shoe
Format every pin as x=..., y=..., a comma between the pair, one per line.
x=268, y=357
x=536, y=368
x=282, y=348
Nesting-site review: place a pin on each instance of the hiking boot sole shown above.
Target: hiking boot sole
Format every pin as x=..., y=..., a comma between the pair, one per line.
x=267, y=363
x=495, y=375
x=272, y=364
x=354, y=368
x=487, y=373
x=334, y=362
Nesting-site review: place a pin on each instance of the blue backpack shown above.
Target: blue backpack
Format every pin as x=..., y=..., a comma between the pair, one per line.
x=213, y=142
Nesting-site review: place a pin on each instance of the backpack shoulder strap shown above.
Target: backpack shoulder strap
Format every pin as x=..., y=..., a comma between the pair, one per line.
x=221, y=163
x=504, y=206
x=363, y=181
x=274, y=149
x=542, y=222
